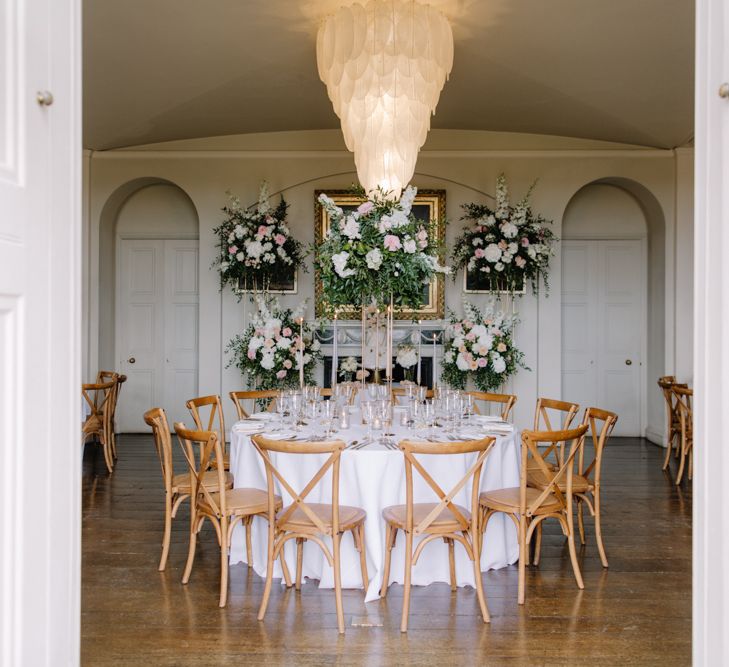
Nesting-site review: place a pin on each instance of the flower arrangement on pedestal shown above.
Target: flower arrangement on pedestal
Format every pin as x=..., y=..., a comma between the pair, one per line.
x=480, y=346
x=377, y=253
x=505, y=247
x=406, y=358
x=269, y=352
x=348, y=368
x=256, y=245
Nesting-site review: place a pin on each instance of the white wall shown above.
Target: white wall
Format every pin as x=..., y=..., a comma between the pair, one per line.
x=460, y=162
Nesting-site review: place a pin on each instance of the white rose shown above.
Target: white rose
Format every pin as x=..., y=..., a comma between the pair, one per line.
x=492, y=253
x=509, y=230
x=374, y=259
x=350, y=228
x=268, y=361
x=462, y=363
x=486, y=341
x=410, y=246
x=448, y=356
x=283, y=343
x=340, y=262
x=479, y=330
x=240, y=256
x=255, y=342
x=498, y=363
x=513, y=247
x=254, y=249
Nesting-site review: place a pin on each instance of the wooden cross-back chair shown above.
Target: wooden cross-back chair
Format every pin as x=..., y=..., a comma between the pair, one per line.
x=177, y=487
x=97, y=426
x=224, y=510
x=505, y=402
x=112, y=376
x=554, y=415
x=673, y=420
x=207, y=413
x=303, y=521
x=239, y=397
x=442, y=520
x=401, y=392
x=587, y=481
x=684, y=398
x=528, y=506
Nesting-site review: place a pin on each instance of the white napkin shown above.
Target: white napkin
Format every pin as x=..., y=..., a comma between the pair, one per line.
x=485, y=419
x=262, y=416
x=280, y=435
x=248, y=427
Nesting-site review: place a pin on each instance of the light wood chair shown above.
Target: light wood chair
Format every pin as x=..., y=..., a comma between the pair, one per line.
x=224, y=510
x=177, y=487
x=586, y=483
x=112, y=376
x=506, y=401
x=304, y=521
x=684, y=398
x=401, y=392
x=238, y=398
x=207, y=413
x=443, y=520
x=673, y=421
x=528, y=506
x=97, y=426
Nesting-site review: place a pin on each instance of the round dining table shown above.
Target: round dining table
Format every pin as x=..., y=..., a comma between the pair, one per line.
x=373, y=477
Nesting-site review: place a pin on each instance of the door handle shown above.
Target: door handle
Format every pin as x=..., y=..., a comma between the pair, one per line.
x=628, y=362
x=131, y=360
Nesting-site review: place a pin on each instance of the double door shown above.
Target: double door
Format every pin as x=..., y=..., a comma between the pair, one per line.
x=156, y=328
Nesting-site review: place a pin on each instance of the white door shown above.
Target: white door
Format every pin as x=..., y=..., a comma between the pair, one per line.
x=156, y=328
x=40, y=305
x=603, y=319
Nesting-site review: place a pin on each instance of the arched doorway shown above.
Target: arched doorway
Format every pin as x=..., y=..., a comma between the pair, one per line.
x=149, y=298
x=612, y=291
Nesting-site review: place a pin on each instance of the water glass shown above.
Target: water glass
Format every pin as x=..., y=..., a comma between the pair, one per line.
x=368, y=417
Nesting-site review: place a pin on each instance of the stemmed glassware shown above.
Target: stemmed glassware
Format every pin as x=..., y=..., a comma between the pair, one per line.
x=368, y=416
x=327, y=413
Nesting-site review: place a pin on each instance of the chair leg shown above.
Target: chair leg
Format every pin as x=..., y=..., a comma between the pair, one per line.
x=522, y=558
x=452, y=563
x=167, y=533
x=390, y=537
x=285, y=569
x=299, y=560
x=408, y=573
x=679, y=474
x=598, y=528
x=249, y=545
x=107, y=455
x=669, y=449
x=336, y=542
x=479, y=583
x=359, y=541
x=193, y=543
x=691, y=464
x=571, y=544
x=223, y=562
x=580, y=522
x=537, y=545
x=269, y=574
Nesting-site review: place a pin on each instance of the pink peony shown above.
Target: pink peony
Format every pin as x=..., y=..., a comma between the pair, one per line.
x=233, y=249
x=364, y=209
x=286, y=332
x=479, y=253
x=262, y=230
x=251, y=354
x=470, y=336
x=525, y=242
x=392, y=242
x=482, y=363
x=280, y=239
x=281, y=374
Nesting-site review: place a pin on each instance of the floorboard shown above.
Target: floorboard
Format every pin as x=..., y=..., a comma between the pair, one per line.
x=638, y=612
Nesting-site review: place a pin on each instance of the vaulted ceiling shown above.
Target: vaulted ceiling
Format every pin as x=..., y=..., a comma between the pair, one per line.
x=615, y=70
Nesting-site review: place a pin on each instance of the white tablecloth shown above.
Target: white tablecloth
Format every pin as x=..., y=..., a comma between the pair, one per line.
x=373, y=478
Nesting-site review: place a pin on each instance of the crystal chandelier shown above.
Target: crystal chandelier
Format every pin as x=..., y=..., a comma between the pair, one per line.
x=384, y=65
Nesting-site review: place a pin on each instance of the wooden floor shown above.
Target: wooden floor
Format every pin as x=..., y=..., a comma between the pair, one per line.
x=638, y=612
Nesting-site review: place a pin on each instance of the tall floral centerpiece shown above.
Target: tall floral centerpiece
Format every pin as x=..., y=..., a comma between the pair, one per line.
x=256, y=244
x=507, y=246
x=377, y=255
x=407, y=358
x=480, y=346
x=270, y=351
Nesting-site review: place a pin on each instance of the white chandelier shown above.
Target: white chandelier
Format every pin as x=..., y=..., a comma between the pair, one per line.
x=384, y=66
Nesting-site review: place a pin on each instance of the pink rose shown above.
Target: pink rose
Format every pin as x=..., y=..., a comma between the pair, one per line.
x=280, y=239
x=520, y=262
x=364, y=209
x=479, y=253
x=525, y=242
x=262, y=230
x=392, y=243
x=281, y=374
x=286, y=332
x=482, y=363
x=251, y=354
x=287, y=363
x=458, y=327
x=471, y=336
x=468, y=324
x=233, y=249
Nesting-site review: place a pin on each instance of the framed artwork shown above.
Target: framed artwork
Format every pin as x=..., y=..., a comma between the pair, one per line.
x=475, y=283
x=286, y=283
x=429, y=206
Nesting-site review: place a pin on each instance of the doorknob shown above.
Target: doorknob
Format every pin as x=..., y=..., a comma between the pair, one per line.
x=44, y=98
x=628, y=362
x=131, y=360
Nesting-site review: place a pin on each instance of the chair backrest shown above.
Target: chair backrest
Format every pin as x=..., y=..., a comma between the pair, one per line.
x=667, y=383
x=684, y=408
x=207, y=412
x=239, y=396
x=157, y=419
x=211, y=453
x=98, y=396
x=532, y=458
x=505, y=402
x=110, y=376
x=401, y=392
x=332, y=447
x=554, y=415
x=411, y=449
x=600, y=424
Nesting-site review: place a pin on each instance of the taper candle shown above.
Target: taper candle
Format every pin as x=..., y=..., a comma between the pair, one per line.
x=420, y=347
x=434, y=353
x=335, y=356
x=301, y=352
x=377, y=342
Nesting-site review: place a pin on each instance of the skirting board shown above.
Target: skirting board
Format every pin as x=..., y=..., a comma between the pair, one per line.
x=655, y=436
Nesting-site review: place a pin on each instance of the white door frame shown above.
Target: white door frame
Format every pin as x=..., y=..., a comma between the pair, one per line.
x=643, y=375
x=711, y=333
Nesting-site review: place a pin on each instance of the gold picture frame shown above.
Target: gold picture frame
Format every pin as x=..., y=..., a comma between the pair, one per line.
x=429, y=206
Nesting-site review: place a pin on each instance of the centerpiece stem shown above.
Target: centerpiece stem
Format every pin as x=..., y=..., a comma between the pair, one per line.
x=301, y=352
x=335, y=356
x=362, y=350
x=420, y=347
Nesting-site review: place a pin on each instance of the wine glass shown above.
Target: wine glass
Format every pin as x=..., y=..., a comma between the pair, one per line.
x=368, y=416
x=327, y=412
x=429, y=416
